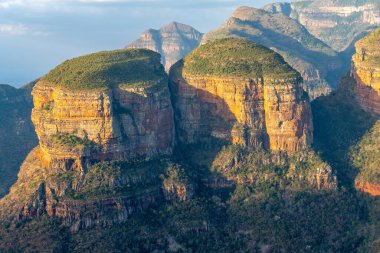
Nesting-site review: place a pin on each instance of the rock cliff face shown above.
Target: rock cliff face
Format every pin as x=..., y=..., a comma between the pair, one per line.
x=17, y=135
x=319, y=65
x=242, y=93
x=173, y=42
x=105, y=106
x=366, y=71
x=118, y=122
x=106, y=130
x=338, y=23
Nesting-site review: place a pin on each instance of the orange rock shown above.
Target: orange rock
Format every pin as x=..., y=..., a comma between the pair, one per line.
x=121, y=122
x=372, y=189
x=273, y=114
x=366, y=71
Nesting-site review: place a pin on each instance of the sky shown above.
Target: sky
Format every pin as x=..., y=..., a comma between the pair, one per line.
x=37, y=35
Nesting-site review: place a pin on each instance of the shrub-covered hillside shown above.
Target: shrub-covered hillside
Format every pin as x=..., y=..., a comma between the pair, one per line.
x=131, y=67
x=245, y=59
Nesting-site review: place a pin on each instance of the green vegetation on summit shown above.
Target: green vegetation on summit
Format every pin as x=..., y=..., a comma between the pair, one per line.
x=245, y=59
x=107, y=69
x=317, y=63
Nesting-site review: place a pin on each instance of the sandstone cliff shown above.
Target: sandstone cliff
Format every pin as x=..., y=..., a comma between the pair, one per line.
x=173, y=41
x=365, y=154
x=105, y=106
x=242, y=93
x=338, y=23
x=351, y=138
x=17, y=135
x=366, y=71
x=106, y=130
x=319, y=65
x=127, y=117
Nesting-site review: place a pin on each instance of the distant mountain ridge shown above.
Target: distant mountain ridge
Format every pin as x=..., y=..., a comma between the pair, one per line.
x=173, y=41
x=319, y=65
x=338, y=23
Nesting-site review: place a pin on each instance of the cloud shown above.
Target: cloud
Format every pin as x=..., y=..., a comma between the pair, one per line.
x=13, y=29
x=19, y=29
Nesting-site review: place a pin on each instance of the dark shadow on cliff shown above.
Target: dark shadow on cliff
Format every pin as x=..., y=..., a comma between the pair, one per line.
x=17, y=134
x=206, y=108
x=350, y=50
x=347, y=54
x=339, y=123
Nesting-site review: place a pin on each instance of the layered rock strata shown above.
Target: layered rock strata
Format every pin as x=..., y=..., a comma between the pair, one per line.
x=105, y=106
x=114, y=123
x=366, y=71
x=227, y=90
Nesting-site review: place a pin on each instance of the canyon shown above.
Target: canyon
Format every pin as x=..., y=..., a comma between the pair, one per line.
x=214, y=146
x=96, y=124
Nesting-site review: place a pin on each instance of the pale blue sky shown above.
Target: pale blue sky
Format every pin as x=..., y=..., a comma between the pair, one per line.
x=36, y=35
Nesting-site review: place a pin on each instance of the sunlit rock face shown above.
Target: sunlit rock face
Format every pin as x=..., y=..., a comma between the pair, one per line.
x=89, y=111
x=366, y=71
x=173, y=41
x=117, y=122
x=229, y=90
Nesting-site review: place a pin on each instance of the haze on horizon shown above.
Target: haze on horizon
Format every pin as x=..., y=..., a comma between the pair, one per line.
x=35, y=36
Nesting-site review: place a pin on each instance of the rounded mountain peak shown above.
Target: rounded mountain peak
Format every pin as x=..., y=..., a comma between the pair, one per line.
x=246, y=13
x=107, y=69
x=179, y=27
x=236, y=57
